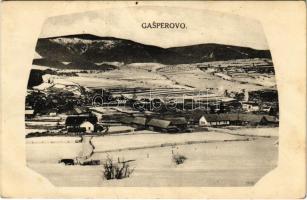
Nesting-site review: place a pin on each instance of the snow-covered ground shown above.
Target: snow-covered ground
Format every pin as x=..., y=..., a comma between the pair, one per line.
x=115, y=142
x=51, y=152
x=41, y=123
x=124, y=77
x=224, y=160
x=156, y=75
x=260, y=131
x=113, y=129
x=54, y=81
x=208, y=164
x=52, y=139
x=200, y=79
x=33, y=130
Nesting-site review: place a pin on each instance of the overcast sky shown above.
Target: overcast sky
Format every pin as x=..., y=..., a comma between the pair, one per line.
x=202, y=26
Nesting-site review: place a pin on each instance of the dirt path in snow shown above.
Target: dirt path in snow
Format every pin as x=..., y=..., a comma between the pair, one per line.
x=87, y=148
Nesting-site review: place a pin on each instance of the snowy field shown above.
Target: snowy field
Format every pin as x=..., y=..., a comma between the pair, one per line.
x=132, y=77
x=51, y=152
x=199, y=79
x=262, y=132
x=185, y=76
x=53, y=139
x=116, y=142
x=224, y=160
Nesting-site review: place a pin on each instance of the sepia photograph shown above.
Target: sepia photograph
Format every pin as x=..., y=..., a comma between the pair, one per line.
x=186, y=103
x=153, y=100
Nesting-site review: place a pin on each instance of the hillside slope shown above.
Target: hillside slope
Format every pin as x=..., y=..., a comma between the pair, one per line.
x=91, y=49
x=219, y=52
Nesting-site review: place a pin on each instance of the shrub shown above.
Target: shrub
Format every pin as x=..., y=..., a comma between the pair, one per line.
x=118, y=170
x=179, y=159
x=91, y=162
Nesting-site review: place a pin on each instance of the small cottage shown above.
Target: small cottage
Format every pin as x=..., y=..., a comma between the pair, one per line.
x=203, y=119
x=88, y=126
x=250, y=107
x=225, y=119
x=81, y=123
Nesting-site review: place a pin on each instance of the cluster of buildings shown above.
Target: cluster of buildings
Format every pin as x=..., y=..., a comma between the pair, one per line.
x=191, y=111
x=156, y=123
x=91, y=123
x=239, y=119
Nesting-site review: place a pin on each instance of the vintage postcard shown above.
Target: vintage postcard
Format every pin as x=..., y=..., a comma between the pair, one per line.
x=153, y=99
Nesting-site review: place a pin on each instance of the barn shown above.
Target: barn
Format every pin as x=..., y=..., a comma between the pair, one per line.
x=225, y=119
x=168, y=124
x=139, y=122
x=202, y=119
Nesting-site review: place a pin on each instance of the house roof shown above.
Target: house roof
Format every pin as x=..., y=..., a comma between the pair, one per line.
x=250, y=103
x=139, y=120
x=159, y=123
x=233, y=117
x=77, y=120
x=270, y=118
x=250, y=118
x=85, y=123
x=80, y=110
x=195, y=116
x=213, y=118
x=177, y=120
x=229, y=117
x=126, y=120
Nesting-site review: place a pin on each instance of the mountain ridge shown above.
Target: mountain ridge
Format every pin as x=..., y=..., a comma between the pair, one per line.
x=90, y=48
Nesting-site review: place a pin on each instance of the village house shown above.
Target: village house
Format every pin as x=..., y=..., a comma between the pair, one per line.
x=230, y=105
x=250, y=107
x=202, y=119
x=109, y=115
x=248, y=119
x=139, y=122
x=88, y=126
x=168, y=124
x=79, y=123
x=231, y=119
x=79, y=111
x=126, y=120
x=253, y=119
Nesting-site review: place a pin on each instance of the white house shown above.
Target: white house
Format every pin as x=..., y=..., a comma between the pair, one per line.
x=89, y=127
x=202, y=121
x=211, y=119
x=250, y=107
